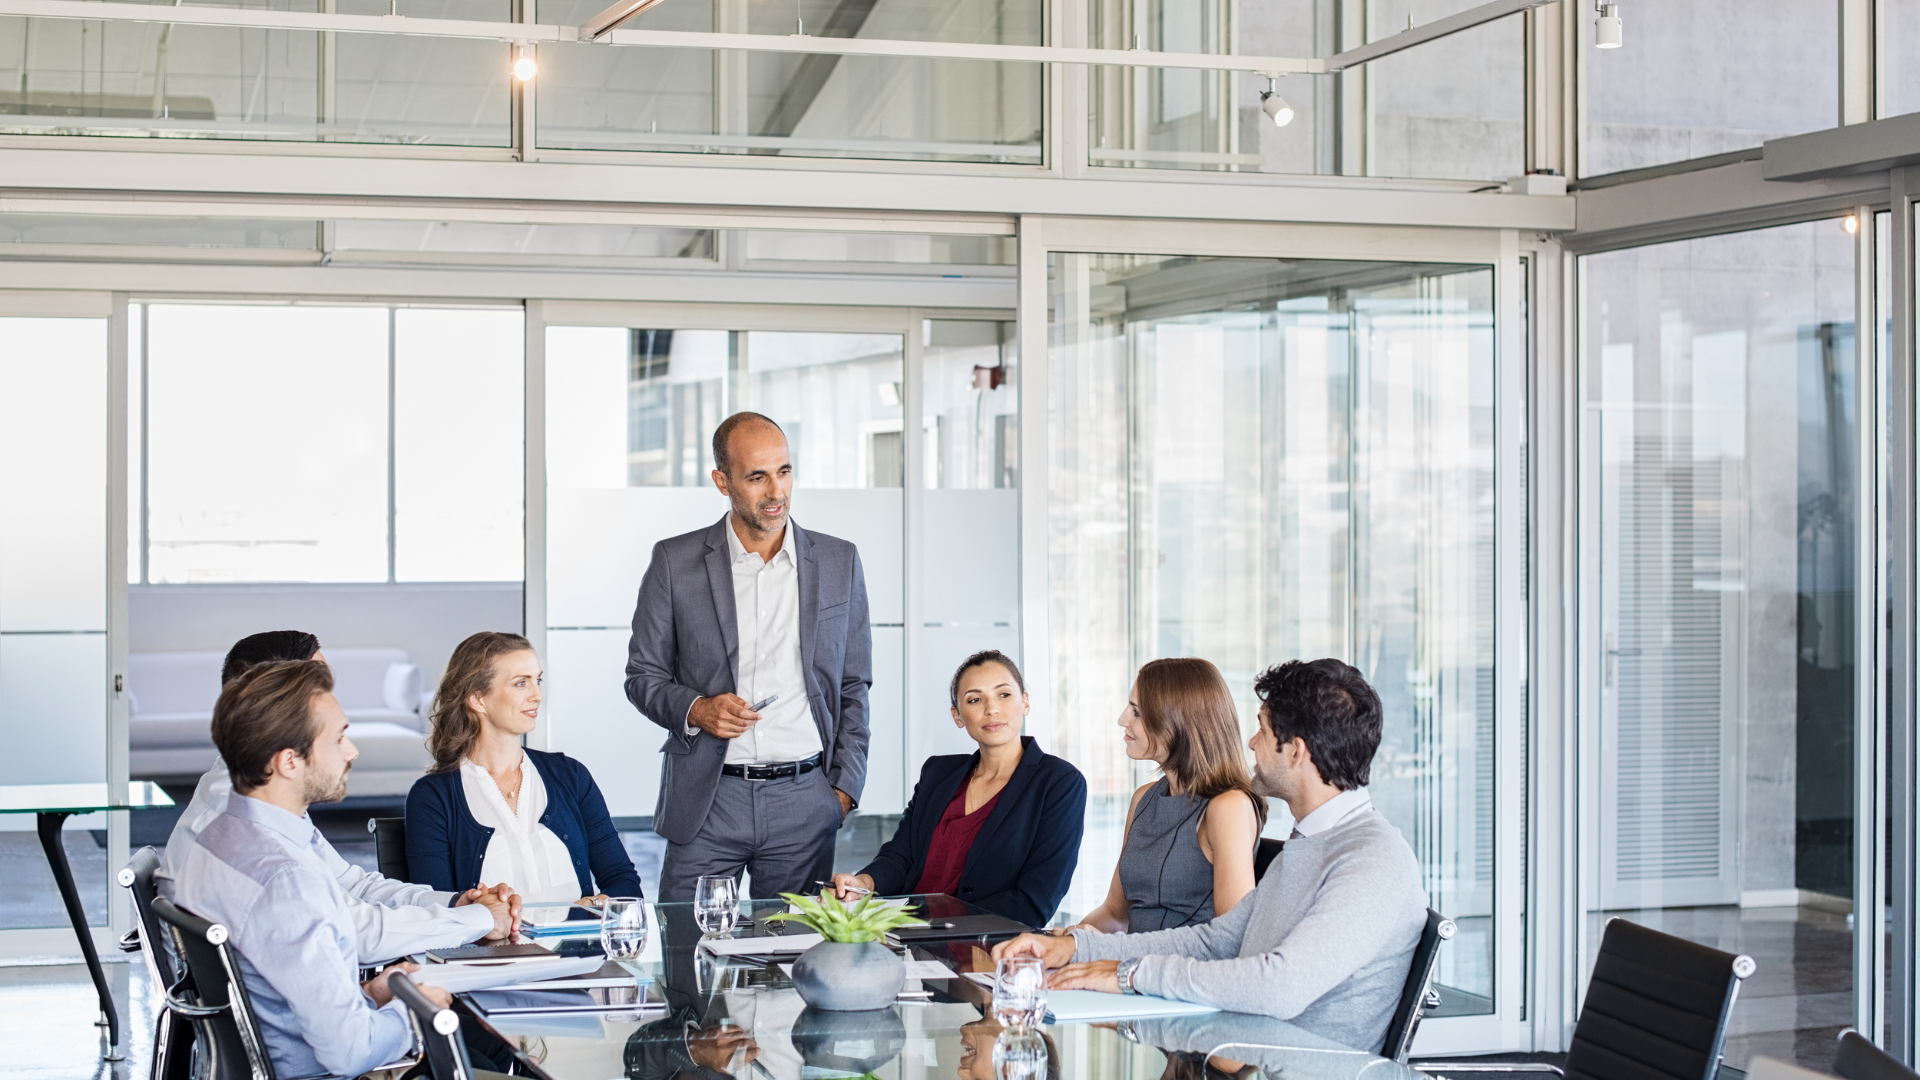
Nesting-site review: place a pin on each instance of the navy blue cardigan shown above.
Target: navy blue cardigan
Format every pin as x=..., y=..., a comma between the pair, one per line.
x=446, y=846
x=1023, y=859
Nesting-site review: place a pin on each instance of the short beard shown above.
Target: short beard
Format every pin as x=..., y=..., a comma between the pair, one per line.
x=332, y=793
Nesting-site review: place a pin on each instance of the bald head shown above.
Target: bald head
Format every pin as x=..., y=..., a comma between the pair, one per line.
x=723, y=436
x=753, y=469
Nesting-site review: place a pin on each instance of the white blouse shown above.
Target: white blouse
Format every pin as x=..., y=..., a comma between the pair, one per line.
x=523, y=853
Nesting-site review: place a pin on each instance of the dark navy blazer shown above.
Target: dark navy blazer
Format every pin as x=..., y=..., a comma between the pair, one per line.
x=446, y=846
x=1024, y=857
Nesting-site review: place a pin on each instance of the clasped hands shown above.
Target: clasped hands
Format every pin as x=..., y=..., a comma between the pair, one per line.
x=1057, y=954
x=501, y=902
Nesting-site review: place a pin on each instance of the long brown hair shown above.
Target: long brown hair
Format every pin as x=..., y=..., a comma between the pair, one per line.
x=1189, y=711
x=469, y=672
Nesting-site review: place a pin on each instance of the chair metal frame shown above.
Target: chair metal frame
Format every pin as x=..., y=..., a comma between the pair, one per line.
x=137, y=878
x=186, y=996
x=1418, y=995
x=448, y=1059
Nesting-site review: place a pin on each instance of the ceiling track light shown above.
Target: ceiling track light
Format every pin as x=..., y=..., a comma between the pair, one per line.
x=524, y=68
x=1274, y=105
x=1606, y=28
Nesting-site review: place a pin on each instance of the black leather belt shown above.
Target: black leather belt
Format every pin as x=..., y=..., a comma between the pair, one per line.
x=772, y=772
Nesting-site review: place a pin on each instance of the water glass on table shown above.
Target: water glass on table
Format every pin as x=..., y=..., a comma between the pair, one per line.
x=1020, y=991
x=716, y=904
x=623, y=928
x=1019, y=1054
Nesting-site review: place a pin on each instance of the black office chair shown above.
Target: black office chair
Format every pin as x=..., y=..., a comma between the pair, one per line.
x=1657, y=1006
x=1856, y=1058
x=389, y=846
x=446, y=1052
x=172, y=1035
x=1263, y=855
x=212, y=996
x=1418, y=995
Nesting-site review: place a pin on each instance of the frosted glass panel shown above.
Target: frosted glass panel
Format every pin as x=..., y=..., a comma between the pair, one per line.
x=588, y=715
x=53, y=708
x=53, y=437
x=586, y=384
x=267, y=443
x=599, y=542
x=459, y=445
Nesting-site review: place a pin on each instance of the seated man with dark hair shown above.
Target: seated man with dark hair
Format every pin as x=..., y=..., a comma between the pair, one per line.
x=1326, y=939
x=256, y=869
x=390, y=918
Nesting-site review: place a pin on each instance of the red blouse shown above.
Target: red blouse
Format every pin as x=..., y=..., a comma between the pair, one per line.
x=952, y=839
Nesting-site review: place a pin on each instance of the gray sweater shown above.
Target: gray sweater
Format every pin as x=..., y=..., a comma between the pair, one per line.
x=1325, y=941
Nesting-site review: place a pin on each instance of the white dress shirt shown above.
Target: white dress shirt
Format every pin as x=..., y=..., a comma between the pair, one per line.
x=523, y=853
x=766, y=605
x=1333, y=812
x=390, y=918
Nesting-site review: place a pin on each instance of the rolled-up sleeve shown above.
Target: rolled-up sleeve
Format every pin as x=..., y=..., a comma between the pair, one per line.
x=307, y=958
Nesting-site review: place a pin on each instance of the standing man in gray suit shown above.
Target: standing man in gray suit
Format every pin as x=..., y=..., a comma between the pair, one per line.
x=753, y=611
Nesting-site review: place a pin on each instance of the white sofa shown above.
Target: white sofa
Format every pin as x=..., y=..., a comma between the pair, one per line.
x=170, y=705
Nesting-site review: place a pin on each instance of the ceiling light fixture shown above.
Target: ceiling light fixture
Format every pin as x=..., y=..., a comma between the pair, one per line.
x=1606, y=28
x=524, y=68
x=1274, y=105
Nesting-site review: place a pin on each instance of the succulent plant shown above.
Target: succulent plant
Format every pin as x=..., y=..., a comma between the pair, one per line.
x=835, y=921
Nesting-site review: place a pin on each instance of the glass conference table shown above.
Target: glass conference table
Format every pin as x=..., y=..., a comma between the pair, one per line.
x=692, y=1014
x=53, y=804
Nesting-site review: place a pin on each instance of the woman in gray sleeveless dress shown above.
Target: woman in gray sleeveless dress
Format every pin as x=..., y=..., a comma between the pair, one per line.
x=1191, y=834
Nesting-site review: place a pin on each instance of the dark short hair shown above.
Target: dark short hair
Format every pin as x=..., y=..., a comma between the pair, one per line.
x=267, y=709
x=984, y=656
x=722, y=436
x=267, y=648
x=1328, y=704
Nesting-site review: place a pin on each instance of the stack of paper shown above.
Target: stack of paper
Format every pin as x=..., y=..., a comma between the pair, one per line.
x=761, y=946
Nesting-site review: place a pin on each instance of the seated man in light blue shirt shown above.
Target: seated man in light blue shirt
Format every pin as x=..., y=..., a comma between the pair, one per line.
x=257, y=869
x=390, y=918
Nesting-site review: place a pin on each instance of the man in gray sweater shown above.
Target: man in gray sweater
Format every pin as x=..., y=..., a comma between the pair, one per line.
x=1326, y=938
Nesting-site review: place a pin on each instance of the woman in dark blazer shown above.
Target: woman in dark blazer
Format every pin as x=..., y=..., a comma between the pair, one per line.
x=492, y=811
x=999, y=828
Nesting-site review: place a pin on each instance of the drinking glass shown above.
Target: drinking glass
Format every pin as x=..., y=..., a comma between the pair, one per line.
x=1019, y=1054
x=623, y=928
x=716, y=904
x=1020, y=991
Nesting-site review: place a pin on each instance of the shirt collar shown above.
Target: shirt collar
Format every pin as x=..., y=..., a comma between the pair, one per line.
x=295, y=827
x=1334, y=811
x=738, y=550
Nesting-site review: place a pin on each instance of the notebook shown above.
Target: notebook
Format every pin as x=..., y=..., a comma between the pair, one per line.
x=954, y=927
x=1089, y=1006
x=527, y=951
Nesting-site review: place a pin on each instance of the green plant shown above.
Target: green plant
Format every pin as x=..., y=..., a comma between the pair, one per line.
x=835, y=921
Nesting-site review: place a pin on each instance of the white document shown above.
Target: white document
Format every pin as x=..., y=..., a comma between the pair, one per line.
x=484, y=975
x=1088, y=1006
x=761, y=946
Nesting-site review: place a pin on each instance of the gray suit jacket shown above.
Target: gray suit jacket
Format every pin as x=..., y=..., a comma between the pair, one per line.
x=686, y=645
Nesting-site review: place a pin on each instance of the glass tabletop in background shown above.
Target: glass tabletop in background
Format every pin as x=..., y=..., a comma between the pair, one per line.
x=709, y=1016
x=79, y=798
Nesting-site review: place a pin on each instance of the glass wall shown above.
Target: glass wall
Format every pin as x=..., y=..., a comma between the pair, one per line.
x=1707, y=77
x=1254, y=461
x=1899, y=70
x=1720, y=395
x=630, y=420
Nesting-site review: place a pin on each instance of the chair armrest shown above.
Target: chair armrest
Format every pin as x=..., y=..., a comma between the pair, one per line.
x=130, y=941
x=1441, y=1068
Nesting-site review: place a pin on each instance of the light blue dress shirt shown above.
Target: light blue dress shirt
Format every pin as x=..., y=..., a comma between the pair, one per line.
x=390, y=918
x=257, y=870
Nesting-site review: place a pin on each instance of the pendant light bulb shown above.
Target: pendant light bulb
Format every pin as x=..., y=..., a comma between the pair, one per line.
x=524, y=68
x=1274, y=105
x=1606, y=28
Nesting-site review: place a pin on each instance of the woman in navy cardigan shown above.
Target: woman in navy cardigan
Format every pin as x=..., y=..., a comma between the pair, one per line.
x=491, y=811
x=999, y=828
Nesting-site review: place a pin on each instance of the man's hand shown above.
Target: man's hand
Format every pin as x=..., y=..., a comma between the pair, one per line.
x=724, y=716
x=1093, y=975
x=502, y=903
x=381, y=993
x=849, y=887
x=1053, y=951
x=715, y=1048
x=846, y=806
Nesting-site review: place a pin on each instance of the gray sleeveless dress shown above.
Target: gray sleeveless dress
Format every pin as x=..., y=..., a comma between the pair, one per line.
x=1167, y=880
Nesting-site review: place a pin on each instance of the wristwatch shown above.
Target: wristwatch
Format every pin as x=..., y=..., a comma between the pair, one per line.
x=1125, y=974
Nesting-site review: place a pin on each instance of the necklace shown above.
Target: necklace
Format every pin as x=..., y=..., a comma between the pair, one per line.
x=512, y=797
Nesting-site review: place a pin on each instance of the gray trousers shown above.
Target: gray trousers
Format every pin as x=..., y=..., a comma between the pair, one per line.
x=779, y=831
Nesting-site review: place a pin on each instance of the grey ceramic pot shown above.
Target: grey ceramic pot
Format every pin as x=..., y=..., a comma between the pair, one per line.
x=843, y=977
x=848, y=1042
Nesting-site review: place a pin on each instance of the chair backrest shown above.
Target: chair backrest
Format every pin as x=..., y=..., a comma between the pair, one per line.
x=137, y=878
x=1856, y=1058
x=1657, y=1005
x=439, y=1031
x=389, y=846
x=1263, y=854
x=1417, y=996
x=212, y=995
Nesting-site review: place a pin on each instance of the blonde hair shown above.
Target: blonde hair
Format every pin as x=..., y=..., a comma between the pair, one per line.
x=1189, y=712
x=469, y=672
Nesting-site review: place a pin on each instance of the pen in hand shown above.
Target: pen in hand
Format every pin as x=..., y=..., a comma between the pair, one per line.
x=756, y=707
